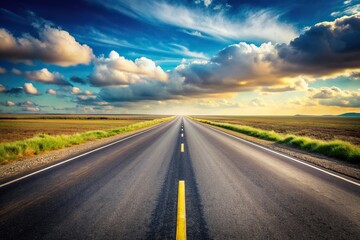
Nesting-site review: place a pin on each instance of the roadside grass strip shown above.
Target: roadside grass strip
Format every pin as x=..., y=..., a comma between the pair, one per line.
x=340, y=150
x=44, y=142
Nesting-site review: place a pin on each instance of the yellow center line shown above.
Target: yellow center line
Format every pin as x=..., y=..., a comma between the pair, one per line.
x=181, y=213
x=182, y=149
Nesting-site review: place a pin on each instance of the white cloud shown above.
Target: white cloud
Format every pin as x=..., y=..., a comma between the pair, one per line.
x=238, y=67
x=2, y=70
x=347, y=11
x=45, y=76
x=9, y=104
x=262, y=24
x=95, y=37
x=54, y=46
x=31, y=109
x=30, y=89
x=193, y=33
x=331, y=92
x=331, y=96
x=206, y=3
x=280, y=67
x=296, y=84
x=116, y=70
x=87, y=92
x=51, y=91
x=180, y=49
x=75, y=90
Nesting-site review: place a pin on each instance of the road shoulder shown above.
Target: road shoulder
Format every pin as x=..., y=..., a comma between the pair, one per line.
x=27, y=165
x=347, y=169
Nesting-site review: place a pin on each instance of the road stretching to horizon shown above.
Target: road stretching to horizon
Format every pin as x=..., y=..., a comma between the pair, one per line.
x=129, y=190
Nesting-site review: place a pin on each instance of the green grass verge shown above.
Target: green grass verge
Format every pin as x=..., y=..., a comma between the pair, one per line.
x=44, y=142
x=337, y=149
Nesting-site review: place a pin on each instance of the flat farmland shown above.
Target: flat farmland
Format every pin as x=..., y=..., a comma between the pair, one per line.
x=323, y=128
x=18, y=127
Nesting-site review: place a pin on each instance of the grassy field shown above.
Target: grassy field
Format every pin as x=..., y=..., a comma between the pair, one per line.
x=43, y=142
x=20, y=126
x=339, y=149
x=322, y=128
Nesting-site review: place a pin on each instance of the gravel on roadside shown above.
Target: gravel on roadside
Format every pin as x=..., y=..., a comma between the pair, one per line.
x=25, y=165
x=347, y=169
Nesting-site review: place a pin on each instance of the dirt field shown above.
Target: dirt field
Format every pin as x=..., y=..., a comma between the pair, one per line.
x=19, y=127
x=325, y=128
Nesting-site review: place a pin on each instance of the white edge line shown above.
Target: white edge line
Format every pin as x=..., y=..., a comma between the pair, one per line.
x=288, y=157
x=73, y=158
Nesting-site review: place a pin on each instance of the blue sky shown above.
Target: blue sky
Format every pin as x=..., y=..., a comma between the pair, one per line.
x=180, y=57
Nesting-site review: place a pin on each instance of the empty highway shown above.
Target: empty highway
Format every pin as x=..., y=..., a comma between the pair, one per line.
x=129, y=190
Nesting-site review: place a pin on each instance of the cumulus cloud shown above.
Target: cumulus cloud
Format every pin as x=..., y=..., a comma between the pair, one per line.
x=331, y=92
x=334, y=96
x=75, y=90
x=53, y=46
x=88, y=92
x=30, y=89
x=297, y=84
x=116, y=70
x=238, y=67
x=51, y=91
x=31, y=109
x=325, y=48
x=8, y=104
x=268, y=68
x=45, y=76
x=91, y=101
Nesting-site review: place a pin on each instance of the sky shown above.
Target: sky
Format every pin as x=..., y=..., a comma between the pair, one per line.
x=248, y=57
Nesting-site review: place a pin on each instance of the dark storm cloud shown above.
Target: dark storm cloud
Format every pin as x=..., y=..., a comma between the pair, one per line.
x=15, y=90
x=326, y=47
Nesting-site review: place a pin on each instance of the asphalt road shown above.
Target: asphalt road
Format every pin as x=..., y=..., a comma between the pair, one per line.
x=233, y=189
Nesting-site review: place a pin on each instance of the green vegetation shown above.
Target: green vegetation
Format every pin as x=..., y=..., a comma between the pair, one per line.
x=15, y=127
x=317, y=127
x=340, y=150
x=44, y=142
